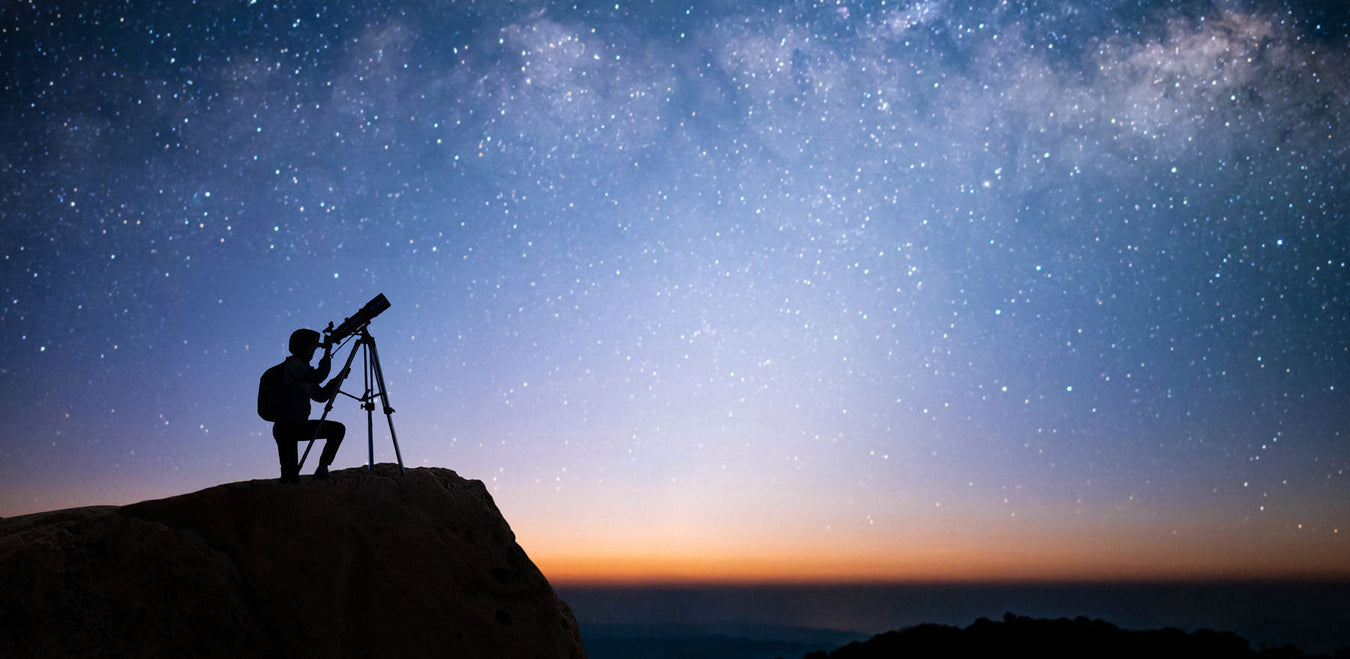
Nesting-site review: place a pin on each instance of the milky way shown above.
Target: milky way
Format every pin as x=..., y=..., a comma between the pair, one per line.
x=866, y=288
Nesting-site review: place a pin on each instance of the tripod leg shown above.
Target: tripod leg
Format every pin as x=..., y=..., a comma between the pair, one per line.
x=368, y=401
x=328, y=407
x=301, y=465
x=384, y=399
x=317, y=429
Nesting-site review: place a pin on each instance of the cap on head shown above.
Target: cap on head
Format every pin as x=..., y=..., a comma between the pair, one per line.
x=302, y=340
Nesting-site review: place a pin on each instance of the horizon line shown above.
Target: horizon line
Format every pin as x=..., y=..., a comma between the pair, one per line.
x=659, y=582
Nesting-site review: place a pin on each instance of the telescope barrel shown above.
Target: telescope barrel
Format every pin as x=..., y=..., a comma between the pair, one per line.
x=361, y=318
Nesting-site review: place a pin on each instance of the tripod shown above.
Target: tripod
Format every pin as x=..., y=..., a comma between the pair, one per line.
x=374, y=375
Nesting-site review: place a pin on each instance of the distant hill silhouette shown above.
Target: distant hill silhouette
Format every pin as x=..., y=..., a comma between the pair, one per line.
x=364, y=564
x=1017, y=636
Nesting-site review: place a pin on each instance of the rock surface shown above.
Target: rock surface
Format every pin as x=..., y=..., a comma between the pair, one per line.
x=365, y=564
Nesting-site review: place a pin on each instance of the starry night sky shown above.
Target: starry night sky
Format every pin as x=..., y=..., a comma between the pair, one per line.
x=727, y=290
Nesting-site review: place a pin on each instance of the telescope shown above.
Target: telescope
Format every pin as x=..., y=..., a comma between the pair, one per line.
x=356, y=322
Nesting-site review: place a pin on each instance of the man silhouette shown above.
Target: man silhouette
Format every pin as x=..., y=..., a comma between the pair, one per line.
x=301, y=383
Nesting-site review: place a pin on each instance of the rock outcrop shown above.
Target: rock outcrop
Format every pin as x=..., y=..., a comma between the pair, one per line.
x=365, y=564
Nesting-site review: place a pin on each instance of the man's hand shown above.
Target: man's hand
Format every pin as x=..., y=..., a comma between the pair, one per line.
x=325, y=365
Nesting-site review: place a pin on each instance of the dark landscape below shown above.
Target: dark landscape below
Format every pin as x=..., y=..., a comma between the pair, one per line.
x=763, y=622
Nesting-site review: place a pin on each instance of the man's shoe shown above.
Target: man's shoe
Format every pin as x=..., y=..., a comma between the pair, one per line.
x=321, y=473
x=290, y=479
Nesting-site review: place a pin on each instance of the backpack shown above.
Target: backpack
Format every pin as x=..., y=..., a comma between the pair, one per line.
x=269, y=393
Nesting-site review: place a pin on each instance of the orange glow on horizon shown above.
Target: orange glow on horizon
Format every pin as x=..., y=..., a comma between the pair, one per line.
x=631, y=539
x=1110, y=557
x=678, y=570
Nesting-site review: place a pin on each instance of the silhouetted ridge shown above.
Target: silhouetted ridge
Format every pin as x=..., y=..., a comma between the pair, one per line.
x=1040, y=638
x=363, y=564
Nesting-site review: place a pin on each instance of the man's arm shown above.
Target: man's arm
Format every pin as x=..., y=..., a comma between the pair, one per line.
x=326, y=392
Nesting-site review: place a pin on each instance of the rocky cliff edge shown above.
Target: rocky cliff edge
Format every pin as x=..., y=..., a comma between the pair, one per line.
x=364, y=564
